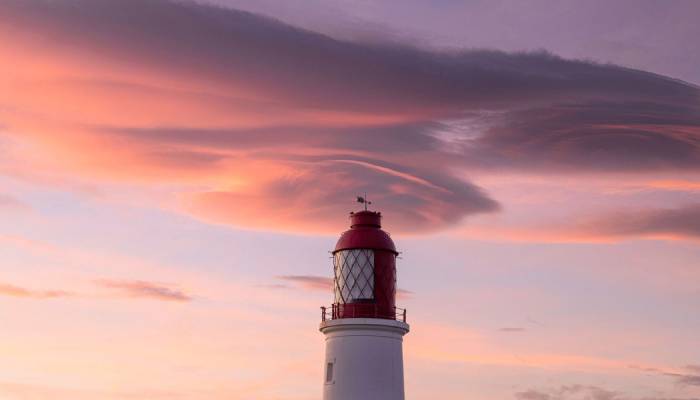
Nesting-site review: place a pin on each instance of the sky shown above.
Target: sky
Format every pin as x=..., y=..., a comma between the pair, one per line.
x=173, y=176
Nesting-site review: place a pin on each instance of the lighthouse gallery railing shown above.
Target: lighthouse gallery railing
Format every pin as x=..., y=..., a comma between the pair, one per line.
x=336, y=310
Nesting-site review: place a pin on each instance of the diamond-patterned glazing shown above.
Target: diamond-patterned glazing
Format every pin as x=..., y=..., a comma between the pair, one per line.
x=354, y=275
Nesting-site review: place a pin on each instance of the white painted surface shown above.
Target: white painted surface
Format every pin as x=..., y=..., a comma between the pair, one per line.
x=367, y=359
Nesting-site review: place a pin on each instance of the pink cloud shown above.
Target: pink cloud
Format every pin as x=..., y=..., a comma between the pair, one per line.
x=18, y=291
x=148, y=290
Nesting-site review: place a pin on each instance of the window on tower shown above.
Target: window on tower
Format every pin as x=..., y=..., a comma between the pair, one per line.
x=354, y=275
x=329, y=372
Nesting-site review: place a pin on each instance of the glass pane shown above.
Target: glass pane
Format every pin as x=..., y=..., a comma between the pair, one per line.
x=354, y=275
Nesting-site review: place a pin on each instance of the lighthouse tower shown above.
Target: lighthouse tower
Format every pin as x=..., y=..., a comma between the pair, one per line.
x=363, y=328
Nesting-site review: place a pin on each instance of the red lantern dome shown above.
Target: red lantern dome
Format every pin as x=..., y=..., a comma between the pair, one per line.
x=364, y=265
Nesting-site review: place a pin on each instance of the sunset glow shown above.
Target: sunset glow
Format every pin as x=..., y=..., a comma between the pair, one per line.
x=174, y=173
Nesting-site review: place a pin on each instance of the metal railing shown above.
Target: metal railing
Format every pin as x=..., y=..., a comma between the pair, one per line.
x=360, y=310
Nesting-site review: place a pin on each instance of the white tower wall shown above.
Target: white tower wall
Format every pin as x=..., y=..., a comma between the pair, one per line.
x=364, y=359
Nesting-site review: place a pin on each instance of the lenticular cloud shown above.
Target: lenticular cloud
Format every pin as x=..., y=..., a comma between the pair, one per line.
x=277, y=127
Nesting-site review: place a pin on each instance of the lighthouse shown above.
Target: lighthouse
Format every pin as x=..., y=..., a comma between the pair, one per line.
x=363, y=328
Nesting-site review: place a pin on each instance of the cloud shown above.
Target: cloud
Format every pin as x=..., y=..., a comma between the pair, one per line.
x=12, y=204
x=316, y=194
x=309, y=281
x=693, y=380
x=662, y=222
x=667, y=223
x=18, y=291
x=584, y=392
x=695, y=368
x=136, y=288
x=532, y=395
x=13, y=390
x=245, y=52
x=598, y=136
x=688, y=375
x=273, y=286
x=512, y=329
x=143, y=289
x=278, y=128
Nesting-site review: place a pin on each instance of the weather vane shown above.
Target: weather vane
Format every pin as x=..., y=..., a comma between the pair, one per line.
x=363, y=200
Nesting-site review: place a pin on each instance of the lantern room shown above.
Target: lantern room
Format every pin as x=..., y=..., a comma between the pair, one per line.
x=364, y=268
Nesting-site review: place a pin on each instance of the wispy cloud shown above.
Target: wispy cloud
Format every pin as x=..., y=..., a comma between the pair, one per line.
x=18, y=291
x=680, y=222
x=144, y=289
x=512, y=329
x=311, y=282
x=273, y=286
x=687, y=375
x=135, y=288
x=695, y=368
x=658, y=222
x=12, y=203
x=15, y=390
x=586, y=392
